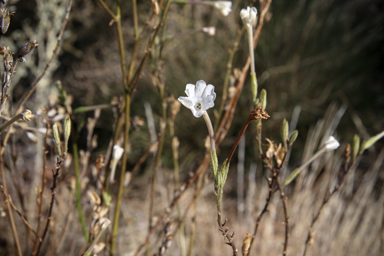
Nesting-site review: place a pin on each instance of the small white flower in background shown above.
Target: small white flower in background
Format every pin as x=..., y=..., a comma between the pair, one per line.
x=117, y=152
x=331, y=144
x=200, y=97
x=116, y=155
x=249, y=16
x=209, y=31
x=225, y=7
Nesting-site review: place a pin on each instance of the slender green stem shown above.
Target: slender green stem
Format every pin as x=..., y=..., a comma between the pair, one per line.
x=78, y=189
x=122, y=174
x=253, y=70
x=14, y=119
x=135, y=20
x=121, y=43
x=107, y=9
x=210, y=131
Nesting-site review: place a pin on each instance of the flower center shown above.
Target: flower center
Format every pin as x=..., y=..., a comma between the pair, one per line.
x=198, y=106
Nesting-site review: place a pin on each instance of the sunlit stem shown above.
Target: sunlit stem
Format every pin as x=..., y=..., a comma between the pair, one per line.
x=252, y=56
x=115, y=225
x=210, y=131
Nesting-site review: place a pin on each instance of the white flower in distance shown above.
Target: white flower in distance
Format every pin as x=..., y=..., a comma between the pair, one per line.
x=225, y=7
x=117, y=152
x=200, y=97
x=331, y=144
x=249, y=16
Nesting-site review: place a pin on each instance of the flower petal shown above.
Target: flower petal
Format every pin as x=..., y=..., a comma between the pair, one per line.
x=209, y=90
x=200, y=86
x=198, y=113
x=186, y=102
x=190, y=90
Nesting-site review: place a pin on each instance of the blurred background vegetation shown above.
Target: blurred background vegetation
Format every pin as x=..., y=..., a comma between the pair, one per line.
x=313, y=57
x=311, y=54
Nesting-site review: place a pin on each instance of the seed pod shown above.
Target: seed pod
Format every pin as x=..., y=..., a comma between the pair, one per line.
x=8, y=59
x=56, y=136
x=246, y=244
x=27, y=48
x=284, y=133
x=5, y=20
x=67, y=133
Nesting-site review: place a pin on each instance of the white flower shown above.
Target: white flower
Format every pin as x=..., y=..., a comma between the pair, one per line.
x=209, y=31
x=225, y=7
x=117, y=152
x=116, y=155
x=249, y=16
x=331, y=144
x=200, y=97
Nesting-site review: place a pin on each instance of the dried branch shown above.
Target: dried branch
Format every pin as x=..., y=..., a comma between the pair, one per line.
x=224, y=231
x=56, y=172
x=40, y=201
x=12, y=221
x=284, y=201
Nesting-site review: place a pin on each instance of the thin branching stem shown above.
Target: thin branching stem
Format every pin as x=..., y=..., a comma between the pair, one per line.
x=8, y=197
x=10, y=214
x=260, y=216
x=55, y=173
x=54, y=54
x=41, y=192
x=122, y=174
x=135, y=20
x=285, y=207
x=105, y=6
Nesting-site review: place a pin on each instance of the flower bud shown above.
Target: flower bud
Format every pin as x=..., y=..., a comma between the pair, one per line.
x=263, y=99
x=373, y=140
x=5, y=20
x=331, y=144
x=8, y=59
x=249, y=16
x=284, y=133
x=67, y=133
x=27, y=115
x=56, y=136
x=293, y=137
x=211, y=31
x=246, y=244
x=362, y=147
x=225, y=7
